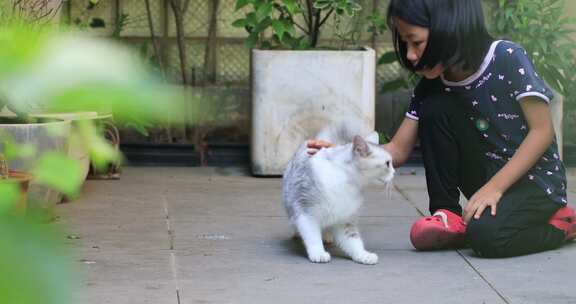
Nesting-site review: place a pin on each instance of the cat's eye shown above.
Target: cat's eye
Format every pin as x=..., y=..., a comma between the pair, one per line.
x=388, y=164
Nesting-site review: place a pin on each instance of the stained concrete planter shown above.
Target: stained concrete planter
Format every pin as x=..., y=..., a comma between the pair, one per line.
x=76, y=147
x=296, y=93
x=46, y=137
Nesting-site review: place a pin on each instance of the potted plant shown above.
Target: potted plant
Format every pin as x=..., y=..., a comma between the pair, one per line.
x=299, y=85
x=76, y=147
x=47, y=135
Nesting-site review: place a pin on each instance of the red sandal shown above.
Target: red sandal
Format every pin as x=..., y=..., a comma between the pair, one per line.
x=444, y=229
x=565, y=219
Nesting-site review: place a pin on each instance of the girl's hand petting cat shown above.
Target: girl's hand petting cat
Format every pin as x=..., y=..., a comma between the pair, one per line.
x=314, y=145
x=487, y=196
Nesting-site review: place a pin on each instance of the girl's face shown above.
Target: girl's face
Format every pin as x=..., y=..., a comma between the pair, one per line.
x=416, y=39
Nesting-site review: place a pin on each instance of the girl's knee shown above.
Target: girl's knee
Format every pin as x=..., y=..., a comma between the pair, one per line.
x=484, y=239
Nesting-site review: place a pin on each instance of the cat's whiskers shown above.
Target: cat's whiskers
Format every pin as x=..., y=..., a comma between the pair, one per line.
x=389, y=187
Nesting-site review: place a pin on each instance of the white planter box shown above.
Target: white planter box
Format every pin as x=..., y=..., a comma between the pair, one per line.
x=296, y=93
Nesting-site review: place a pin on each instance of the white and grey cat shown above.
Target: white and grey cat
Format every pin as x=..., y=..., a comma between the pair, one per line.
x=323, y=193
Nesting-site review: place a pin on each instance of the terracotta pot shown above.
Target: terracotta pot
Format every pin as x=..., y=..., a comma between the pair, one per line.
x=23, y=179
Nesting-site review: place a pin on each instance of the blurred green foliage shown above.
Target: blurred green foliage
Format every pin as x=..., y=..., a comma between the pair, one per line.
x=58, y=70
x=36, y=268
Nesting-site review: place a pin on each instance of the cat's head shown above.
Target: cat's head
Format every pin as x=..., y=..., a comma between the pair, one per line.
x=373, y=161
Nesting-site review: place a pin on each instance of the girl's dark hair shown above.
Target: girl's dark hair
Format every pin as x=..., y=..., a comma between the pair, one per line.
x=458, y=36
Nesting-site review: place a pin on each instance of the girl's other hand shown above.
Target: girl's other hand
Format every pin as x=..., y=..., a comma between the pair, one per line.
x=315, y=145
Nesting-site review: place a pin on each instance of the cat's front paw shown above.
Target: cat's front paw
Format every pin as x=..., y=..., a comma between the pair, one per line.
x=319, y=257
x=367, y=258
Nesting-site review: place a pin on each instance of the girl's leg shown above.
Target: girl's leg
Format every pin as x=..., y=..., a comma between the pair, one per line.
x=452, y=150
x=454, y=159
x=519, y=227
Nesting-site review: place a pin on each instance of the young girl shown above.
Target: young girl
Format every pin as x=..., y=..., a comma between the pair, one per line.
x=481, y=114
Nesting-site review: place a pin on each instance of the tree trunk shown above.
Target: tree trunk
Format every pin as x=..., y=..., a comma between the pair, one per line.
x=210, y=60
x=155, y=45
x=180, y=39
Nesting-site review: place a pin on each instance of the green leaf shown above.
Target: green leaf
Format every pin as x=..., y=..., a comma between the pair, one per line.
x=263, y=25
x=349, y=11
x=264, y=11
x=240, y=23
x=241, y=3
x=20, y=47
x=291, y=6
x=251, y=41
x=388, y=57
x=278, y=27
x=323, y=4
x=289, y=26
x=383, y=138
x=355, y=7
x=59, y=172
x=32, y=256
x=9, y=196
x=100, y=151
x=289, y=42
x=266, y=45
x=303, y=43
x=13, y=151
x=251, y=19
x=394, y=85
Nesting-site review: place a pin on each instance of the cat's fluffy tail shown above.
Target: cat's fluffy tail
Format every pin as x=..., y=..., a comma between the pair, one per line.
x=343, y=132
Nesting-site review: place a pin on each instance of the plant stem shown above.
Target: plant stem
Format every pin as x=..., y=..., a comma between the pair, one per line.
x=326, y=17
x=309, y=7
x=315, y=33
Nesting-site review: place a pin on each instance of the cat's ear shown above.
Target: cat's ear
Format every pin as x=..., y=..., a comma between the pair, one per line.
x=360, y=146
x=373, y=138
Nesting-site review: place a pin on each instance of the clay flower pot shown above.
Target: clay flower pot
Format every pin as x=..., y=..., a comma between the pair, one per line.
x=23, y=181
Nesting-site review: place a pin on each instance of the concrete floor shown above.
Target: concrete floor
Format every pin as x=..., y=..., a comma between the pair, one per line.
x=209, y=235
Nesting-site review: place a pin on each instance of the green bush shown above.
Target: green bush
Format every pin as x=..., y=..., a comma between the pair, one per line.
x=64, y=72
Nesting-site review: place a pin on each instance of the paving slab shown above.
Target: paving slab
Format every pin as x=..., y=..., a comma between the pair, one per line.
x=250, y=271
x=117, y=277
x=545, y=277
x=216, y=235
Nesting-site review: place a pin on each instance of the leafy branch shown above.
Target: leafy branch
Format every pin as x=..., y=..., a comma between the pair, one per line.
x=278, y=18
